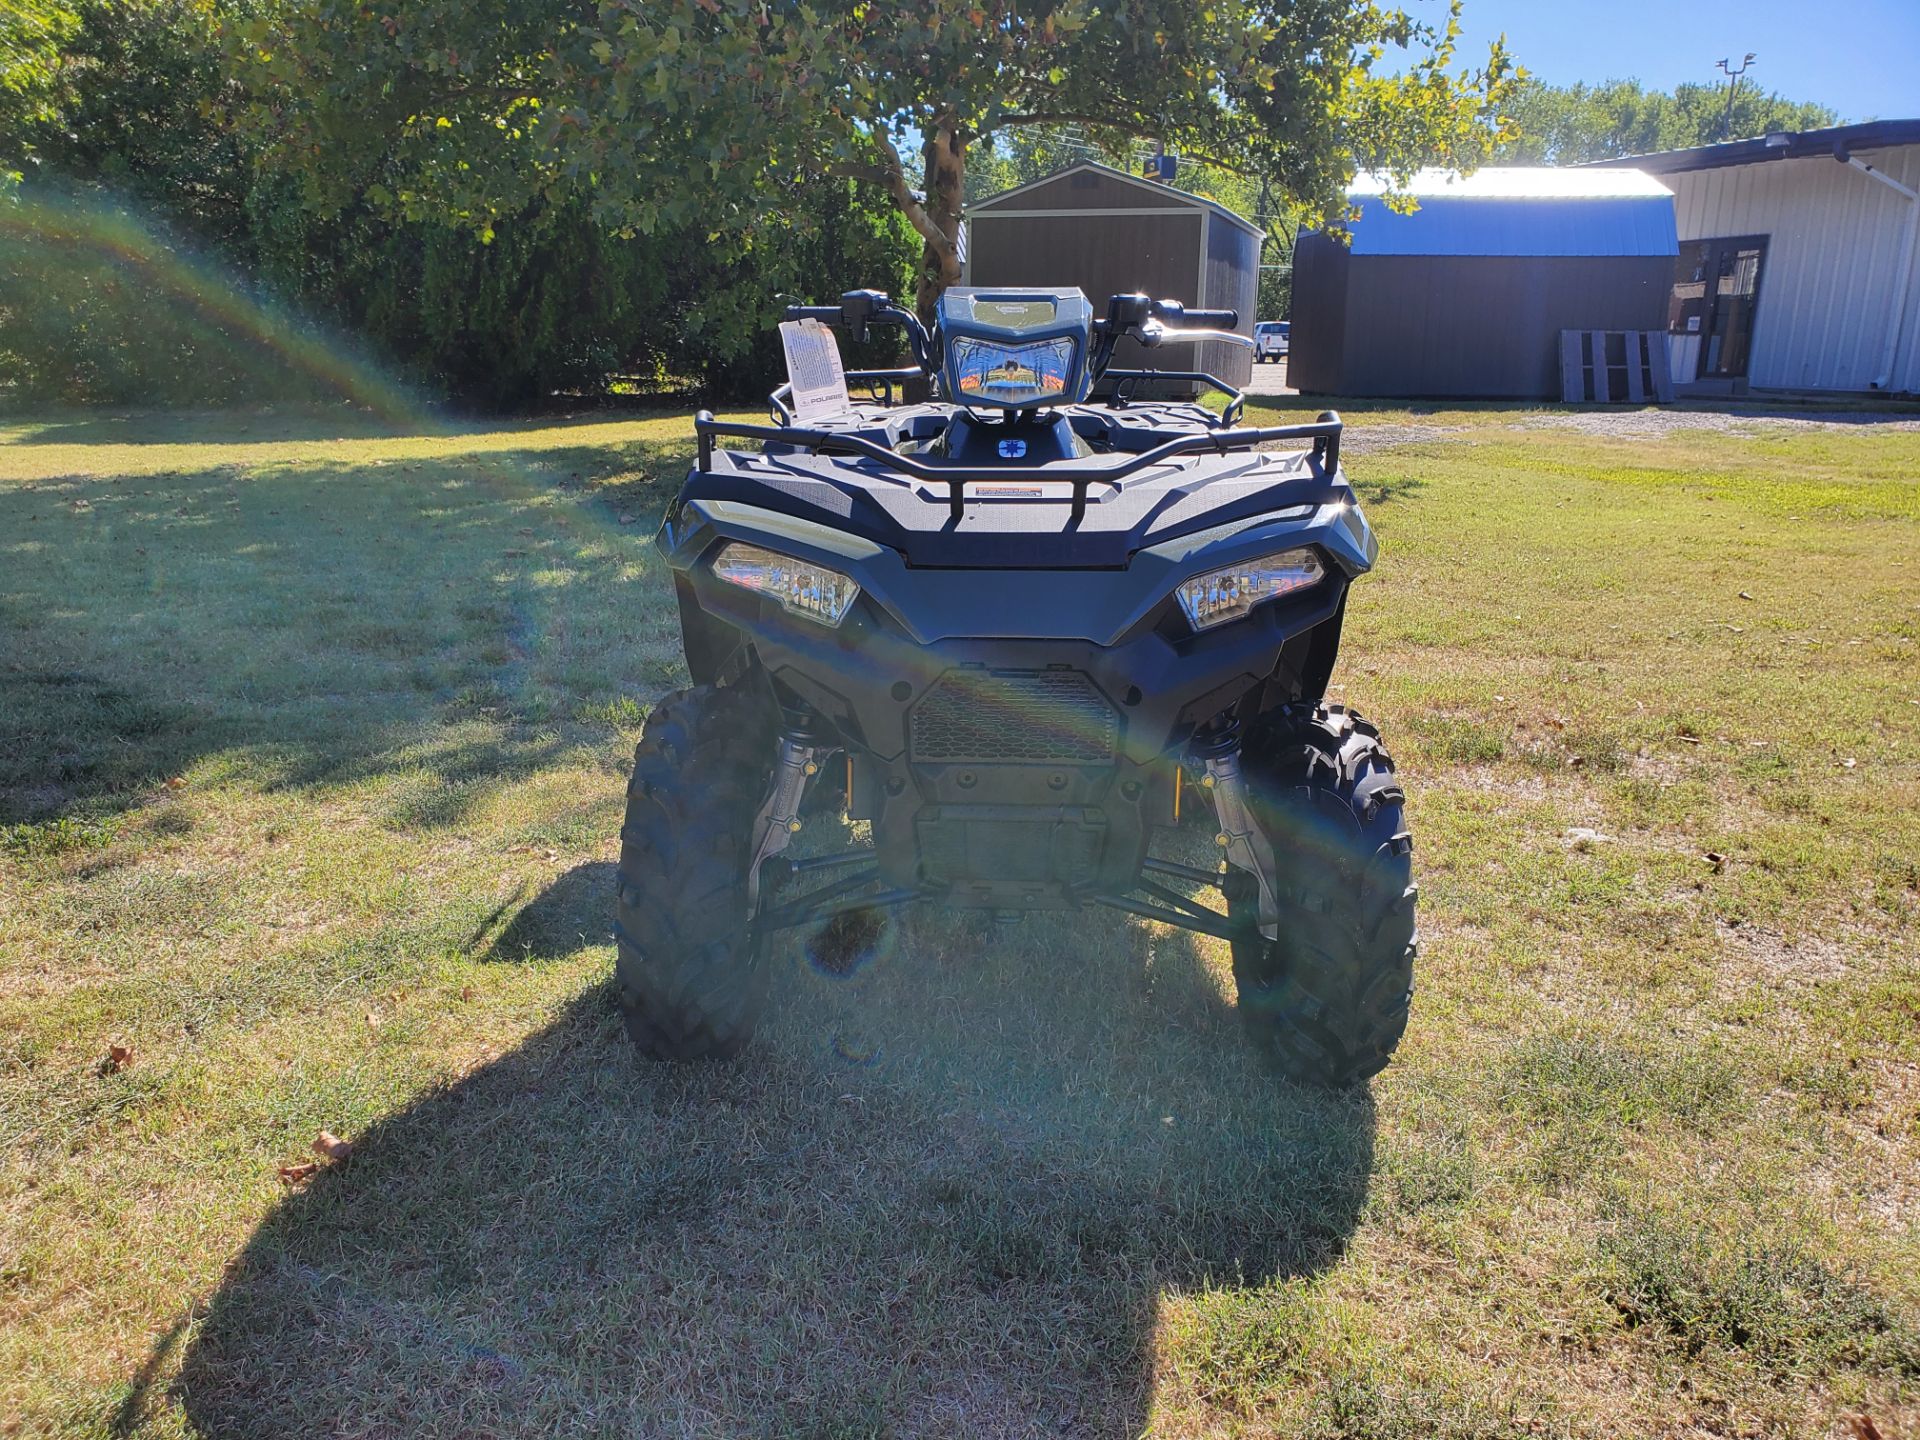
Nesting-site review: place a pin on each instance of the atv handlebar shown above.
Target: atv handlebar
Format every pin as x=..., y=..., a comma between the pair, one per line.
x=859, y=310
x=1174, y=315
x=1152, y=322
x=825, y=314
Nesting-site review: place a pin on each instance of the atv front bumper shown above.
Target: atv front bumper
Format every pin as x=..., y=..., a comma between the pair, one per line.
x=1011, y=733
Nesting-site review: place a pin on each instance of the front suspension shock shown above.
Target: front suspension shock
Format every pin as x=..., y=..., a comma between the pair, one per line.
x=1242, y=842
x=779, y=818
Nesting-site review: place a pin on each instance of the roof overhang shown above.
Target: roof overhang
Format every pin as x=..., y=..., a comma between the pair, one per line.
x=1187, y=198
x=1534, y=210
x=1835, y=143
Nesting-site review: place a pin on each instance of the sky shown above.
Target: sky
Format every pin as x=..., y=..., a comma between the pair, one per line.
x=1861, y=57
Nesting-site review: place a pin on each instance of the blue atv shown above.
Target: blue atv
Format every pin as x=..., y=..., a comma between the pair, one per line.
x=1009, y=627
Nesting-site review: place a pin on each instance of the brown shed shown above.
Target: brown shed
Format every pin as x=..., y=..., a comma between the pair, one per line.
x=1109, y=233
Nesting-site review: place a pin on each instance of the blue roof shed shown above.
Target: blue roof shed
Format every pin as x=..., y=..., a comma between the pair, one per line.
x=1466, y=293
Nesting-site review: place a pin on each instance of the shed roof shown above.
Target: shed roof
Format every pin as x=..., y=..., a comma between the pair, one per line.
x=1184, y=198
x=1833, y=142
x=1516, y=210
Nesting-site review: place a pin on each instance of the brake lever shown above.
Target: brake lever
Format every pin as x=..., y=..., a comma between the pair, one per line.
x=1154, y=333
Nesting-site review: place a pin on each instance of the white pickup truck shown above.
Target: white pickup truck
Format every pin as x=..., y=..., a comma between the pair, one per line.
x=1270, y=340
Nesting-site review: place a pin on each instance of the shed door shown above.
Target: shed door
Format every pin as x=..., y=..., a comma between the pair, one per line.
x=1716, y=289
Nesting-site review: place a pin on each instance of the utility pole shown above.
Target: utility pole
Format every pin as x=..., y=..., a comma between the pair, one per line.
x=1733, y=84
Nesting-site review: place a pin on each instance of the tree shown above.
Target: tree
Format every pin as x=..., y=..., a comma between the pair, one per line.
x=31, y=34
x=711, y=112
x=140, y=179
x=138, y=108
x=1567, y=125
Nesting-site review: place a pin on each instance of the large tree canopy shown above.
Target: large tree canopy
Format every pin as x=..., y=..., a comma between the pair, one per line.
x=709, y=112
x=150, y=247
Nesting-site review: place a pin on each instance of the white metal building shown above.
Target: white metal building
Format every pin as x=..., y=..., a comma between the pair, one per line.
x=1797, y=267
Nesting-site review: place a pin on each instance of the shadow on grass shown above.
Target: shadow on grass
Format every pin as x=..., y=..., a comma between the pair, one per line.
x=324, y=624
x=941, y=1196
x=575, y=910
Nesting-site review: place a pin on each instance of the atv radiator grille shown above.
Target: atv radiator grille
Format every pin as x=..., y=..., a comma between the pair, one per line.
x=1038, y=716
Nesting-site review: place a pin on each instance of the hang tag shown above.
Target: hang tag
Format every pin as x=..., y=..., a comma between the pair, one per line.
x=813, y=366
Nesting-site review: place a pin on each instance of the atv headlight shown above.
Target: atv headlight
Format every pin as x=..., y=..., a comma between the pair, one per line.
x=799, y=585
x=993, y=372
x=1223, y=595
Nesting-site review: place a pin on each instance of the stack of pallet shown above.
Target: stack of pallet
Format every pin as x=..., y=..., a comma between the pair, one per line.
x=1608, y=366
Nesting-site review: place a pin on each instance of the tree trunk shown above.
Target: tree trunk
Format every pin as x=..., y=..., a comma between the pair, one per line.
x=945, y=154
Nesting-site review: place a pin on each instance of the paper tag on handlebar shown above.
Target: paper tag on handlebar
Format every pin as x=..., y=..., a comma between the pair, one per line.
x=813, y=367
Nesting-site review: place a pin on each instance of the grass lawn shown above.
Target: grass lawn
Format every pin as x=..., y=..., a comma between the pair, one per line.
x=312, y=746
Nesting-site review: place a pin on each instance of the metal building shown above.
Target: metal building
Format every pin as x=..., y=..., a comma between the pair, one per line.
x=1797, y=267
x=1467, y=294
x=1112, y=234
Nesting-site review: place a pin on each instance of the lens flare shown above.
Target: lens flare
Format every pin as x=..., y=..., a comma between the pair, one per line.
x=155, y=274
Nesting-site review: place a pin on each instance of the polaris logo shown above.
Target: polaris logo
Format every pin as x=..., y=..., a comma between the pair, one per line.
x=1012, y=449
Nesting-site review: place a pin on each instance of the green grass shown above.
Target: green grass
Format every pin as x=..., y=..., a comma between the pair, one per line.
x=312, y=744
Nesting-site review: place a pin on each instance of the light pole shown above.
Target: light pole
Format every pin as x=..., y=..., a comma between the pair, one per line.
x=1733, y=84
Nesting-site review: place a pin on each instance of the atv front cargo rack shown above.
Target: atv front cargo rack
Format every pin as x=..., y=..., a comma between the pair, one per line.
x=1126, y=384
x=1323, y=432
x=881, y=387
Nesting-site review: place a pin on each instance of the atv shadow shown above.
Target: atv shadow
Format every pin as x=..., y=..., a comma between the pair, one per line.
x=575, y=910
x=943, y=1194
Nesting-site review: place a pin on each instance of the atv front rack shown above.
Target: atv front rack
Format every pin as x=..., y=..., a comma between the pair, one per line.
x=1324, y=433
x=1128, y=381
x=881, y=386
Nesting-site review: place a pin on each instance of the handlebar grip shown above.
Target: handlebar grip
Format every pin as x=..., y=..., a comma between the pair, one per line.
x=1211, y=319
x=826, y=314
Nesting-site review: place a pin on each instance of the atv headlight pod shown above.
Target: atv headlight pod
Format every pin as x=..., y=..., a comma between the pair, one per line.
x=1230, y=593
x=1010, y=373
x=799, y=585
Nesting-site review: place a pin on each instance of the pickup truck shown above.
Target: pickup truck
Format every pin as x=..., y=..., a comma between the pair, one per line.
x=1270, y=340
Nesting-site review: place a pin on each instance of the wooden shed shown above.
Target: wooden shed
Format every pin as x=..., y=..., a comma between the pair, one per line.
x=1467, y=295
x=1110, y=233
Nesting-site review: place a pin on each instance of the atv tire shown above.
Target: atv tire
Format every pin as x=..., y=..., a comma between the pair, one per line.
x=690, y=983
x=1327, y=1003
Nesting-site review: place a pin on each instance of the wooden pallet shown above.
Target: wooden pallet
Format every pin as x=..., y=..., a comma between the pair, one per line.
x=1609, y=366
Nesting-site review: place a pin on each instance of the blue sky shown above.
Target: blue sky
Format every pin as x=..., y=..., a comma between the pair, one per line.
x=1862, y=57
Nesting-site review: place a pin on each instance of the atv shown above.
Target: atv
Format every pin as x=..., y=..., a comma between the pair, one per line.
x=1009, y=627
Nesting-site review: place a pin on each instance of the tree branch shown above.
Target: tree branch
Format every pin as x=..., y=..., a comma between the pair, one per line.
x=893, y=175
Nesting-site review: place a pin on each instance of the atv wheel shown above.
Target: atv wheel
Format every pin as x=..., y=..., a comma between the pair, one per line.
x=690, y=984
x=1327, y=1003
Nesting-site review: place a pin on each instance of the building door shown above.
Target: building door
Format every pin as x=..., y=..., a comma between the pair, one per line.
x=1716, y=289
